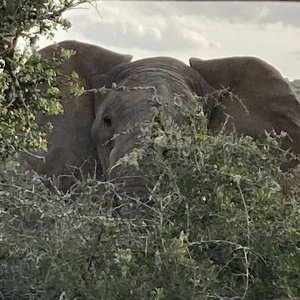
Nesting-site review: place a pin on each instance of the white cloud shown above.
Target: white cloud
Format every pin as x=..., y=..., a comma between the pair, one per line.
x=185, y=29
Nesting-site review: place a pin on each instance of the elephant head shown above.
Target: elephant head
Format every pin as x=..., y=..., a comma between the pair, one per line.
x=71, y=152
x=140, y=86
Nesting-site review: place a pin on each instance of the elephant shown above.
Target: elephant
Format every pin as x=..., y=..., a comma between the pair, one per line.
x=97, y=129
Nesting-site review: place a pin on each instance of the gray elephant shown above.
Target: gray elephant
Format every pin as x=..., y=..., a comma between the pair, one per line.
x=92, y=128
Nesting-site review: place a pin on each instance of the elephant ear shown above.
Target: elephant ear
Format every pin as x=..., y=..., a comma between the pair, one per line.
x=71, y=153
x=266, y=101
x=255, y=81
x=242, y=75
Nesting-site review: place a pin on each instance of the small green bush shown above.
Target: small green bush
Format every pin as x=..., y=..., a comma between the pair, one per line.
x=218, y=225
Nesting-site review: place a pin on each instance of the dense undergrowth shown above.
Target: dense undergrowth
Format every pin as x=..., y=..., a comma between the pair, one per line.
x=222, y=222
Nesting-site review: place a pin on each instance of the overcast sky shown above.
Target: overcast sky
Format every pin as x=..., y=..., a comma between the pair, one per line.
x=192, y=29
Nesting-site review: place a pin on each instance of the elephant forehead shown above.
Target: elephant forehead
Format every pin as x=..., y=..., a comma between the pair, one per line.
x=159, y=80
x=126, y=99
x=139, y=100
x=154, y=72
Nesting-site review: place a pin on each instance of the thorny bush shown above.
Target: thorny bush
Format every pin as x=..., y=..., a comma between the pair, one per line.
x=219, y=225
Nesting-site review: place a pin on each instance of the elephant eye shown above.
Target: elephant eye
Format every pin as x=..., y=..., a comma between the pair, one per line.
x=107, y=122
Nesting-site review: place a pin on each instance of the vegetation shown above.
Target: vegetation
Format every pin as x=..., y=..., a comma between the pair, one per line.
x=20, y=98
x=219, y=225
x=222, y=221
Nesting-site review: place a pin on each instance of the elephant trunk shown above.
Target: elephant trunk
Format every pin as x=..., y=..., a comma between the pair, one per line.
x=121, y=169
x=133, y=190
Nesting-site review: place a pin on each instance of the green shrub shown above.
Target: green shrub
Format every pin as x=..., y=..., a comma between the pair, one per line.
x=219, y=225
x=22, y=70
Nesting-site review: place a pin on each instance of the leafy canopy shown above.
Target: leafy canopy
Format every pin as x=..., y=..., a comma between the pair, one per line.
x=23, y=22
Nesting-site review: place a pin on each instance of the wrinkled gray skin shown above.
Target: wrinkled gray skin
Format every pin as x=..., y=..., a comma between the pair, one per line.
x=97, y=128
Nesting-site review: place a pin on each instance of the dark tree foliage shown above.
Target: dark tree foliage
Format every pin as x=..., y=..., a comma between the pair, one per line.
x=22, y=22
